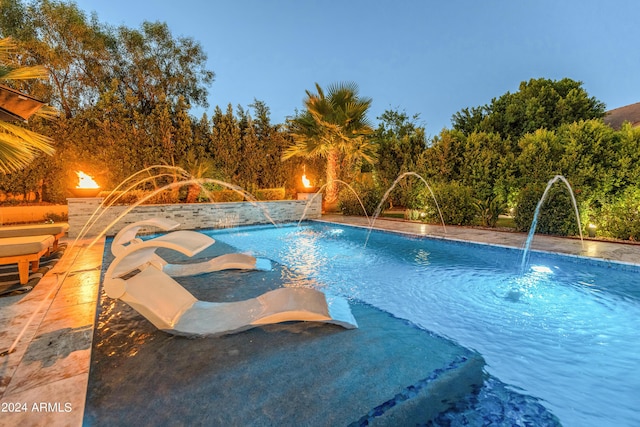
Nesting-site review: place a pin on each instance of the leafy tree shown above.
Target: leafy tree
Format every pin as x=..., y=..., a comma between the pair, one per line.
x=488, y=165
x=274, y=139
x=400, y=142
x=469, y=120
x=74, y=51
x=539, y=103
x=628, y=156
x=225, y=142
x=124, y=93
x=334, y=127
x=590, y=157
x=443, y=159
x=14, y=20
x=151, y=64
x=540, y=153
x=84, y=57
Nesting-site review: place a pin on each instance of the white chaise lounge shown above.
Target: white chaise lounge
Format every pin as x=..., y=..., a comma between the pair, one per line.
x=128, y=235
x=136, y=278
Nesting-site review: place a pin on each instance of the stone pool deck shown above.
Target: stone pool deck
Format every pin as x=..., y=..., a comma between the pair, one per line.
x=43, y=381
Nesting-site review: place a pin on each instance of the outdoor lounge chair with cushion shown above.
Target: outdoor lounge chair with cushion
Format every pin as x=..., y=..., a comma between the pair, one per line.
x=56, y=230
x=186, y=239
x=170, y=307
x=25, y=251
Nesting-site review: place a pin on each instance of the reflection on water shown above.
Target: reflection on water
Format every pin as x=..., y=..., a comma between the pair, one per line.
x=422, y=257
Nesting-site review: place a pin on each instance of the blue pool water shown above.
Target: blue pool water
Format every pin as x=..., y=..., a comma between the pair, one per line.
x=566, y=331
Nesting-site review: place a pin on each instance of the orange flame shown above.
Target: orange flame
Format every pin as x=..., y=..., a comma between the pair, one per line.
x=305, y=181
x=85, y=181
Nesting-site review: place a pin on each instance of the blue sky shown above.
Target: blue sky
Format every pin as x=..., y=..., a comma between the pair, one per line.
x=426, y=57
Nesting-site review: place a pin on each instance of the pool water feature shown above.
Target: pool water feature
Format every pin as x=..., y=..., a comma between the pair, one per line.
x=564, y=332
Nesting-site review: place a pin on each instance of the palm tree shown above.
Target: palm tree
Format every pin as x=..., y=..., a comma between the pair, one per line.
x=18, y=146
x=335, y=127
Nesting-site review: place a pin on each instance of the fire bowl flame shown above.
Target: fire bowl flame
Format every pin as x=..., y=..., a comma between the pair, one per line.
x=86, y=187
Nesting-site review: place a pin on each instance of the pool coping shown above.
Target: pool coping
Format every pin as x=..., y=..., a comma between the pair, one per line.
x=611, y=253
x=44, y=381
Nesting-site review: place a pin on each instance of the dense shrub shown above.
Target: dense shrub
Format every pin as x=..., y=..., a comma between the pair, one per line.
x=225, y=196
x=120, y=197
x=209, y=193
x=455, y=202
x=134, y=196
x=270, y=194
x=168, y=197
x=620, y=219
x=350, y=205
x=556, y=214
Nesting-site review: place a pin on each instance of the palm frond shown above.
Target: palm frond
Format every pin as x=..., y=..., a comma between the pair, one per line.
x=26, y=73
x=18, y=146
x=333, y=122
x=47, y=112
x=33, y=140
x=13, y=158
x=7, y=46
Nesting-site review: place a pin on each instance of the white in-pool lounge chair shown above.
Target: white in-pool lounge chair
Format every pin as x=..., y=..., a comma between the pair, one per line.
x=25, y=251
x=193, y=240
x=170, y=307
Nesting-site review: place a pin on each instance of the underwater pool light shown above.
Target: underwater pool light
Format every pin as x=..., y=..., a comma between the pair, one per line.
x=541, y=269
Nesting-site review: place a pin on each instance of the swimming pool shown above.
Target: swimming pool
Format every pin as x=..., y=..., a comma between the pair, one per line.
x=565, y=331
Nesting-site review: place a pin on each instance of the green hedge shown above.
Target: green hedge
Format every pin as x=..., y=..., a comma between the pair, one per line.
x=224, y=196
x=349, y=204
x=455, y=201
x=271, y=194
x=556, y=216
x=620, y=218
x=134, y=196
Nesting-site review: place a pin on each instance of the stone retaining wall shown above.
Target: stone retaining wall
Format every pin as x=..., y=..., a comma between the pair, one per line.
x=190, y=216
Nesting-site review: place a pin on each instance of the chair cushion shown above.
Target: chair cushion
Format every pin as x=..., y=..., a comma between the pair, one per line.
x=33, y=230
x=13, y=246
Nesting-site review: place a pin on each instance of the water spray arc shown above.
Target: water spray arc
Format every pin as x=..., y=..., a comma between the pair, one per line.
x=378, y=210
x=534, y=223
